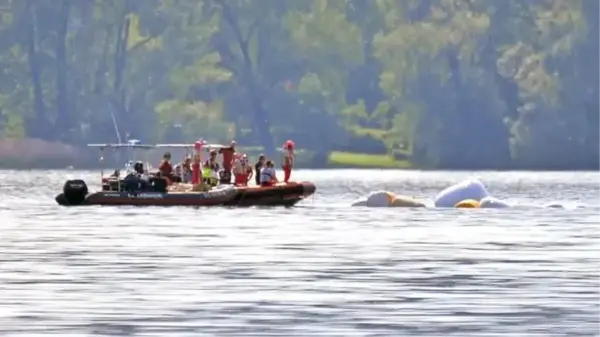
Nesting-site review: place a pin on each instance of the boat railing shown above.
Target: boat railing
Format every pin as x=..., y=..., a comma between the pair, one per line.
x=131, y=146
x=205, y=146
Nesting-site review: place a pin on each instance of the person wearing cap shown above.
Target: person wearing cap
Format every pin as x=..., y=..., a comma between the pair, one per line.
x=257, y=167
x=228, y=156
x=288, y=160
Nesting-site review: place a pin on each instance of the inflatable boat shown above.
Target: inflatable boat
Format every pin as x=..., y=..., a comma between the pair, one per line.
x=279, y=195
x=75, y=193
x=158, y=190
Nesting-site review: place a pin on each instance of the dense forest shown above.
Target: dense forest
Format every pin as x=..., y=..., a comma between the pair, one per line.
x=444, y=83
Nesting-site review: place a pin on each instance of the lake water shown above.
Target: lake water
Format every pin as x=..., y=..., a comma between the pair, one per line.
x=319, y=269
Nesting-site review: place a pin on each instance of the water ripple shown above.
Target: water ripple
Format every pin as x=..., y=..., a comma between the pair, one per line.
x=320, y=269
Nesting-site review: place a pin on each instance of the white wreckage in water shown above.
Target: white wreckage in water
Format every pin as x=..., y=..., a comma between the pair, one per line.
x=470, y=193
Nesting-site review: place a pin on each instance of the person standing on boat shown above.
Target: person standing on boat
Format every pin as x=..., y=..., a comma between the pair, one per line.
x=197, y=180
x=239, y=170
x=288, y=160
x=228, y=156
x=268, y=175
x=247, y=169
x=211, y=169
x=184, y=170
x=257, y=167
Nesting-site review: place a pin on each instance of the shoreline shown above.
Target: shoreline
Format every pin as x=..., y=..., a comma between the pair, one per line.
x=91, y=163
x=323, y=168
x=40, y=155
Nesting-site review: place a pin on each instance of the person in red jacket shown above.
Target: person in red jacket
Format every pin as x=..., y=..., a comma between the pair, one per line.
x=165, y=166
x=166, y=169
x=239, y=172
x=288, y=160
x=228, y=154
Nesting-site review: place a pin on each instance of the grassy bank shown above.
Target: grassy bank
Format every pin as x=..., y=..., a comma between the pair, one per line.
x=39, y=154
x=362, y=160
x=339, y=159
x=335, y=160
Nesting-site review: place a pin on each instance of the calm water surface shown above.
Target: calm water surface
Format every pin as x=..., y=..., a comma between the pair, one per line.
x=319, y=269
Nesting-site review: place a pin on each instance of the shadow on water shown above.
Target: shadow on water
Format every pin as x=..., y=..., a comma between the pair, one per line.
x=320, y=269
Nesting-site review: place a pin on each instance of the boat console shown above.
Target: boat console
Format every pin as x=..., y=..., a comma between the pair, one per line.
x=132, y=183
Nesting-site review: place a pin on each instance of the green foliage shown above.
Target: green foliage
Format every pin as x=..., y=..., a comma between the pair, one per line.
x=478, y=83
x=195, y=119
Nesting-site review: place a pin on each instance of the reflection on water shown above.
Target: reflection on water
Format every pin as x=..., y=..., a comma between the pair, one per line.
x=320, y=269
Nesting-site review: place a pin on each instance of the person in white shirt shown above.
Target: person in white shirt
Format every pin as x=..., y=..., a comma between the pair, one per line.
x=268, y=176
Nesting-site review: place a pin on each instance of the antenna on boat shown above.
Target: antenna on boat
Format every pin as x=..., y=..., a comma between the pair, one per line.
x=130, y=146
x=115, y=125
x=101, y=164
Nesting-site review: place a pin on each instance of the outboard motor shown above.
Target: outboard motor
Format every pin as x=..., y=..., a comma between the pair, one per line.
x=75, y=192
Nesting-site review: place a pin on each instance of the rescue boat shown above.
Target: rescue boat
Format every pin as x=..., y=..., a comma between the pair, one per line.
x=157, y=190
x=76, y=193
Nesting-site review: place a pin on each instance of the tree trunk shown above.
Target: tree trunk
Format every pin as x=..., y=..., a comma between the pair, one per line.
x=261, y=121
x=39, y=125
x=64, y=121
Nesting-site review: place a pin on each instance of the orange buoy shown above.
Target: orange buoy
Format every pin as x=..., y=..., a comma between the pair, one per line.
x=468, y=203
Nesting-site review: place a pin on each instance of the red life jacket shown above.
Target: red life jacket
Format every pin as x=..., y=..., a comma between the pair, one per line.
x=165, y=168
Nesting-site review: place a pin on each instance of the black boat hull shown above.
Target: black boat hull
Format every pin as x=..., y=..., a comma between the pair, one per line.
x=280, y=195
